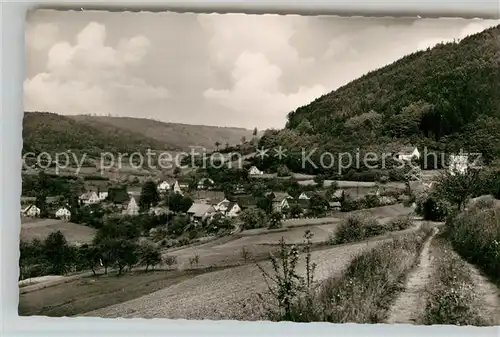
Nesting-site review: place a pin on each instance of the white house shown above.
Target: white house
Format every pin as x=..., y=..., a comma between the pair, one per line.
x=232, y=210
x=254, y=171
x=407, y=153
x=31, y=211
x=63, y=213
x=205, y=183
x=280, y=201
x=337, y=195
x=90, y=198
x=132, y=207
x=221, y=206
x=170, y=185
x=103, y=195
x=458, y=164
x=305, y=196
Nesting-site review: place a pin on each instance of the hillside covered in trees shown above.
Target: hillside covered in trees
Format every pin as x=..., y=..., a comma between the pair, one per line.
x=446, y=98
x=49, y=132
x=174, y=134
x=52, y=133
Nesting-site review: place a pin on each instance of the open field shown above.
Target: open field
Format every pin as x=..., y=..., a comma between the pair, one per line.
x=222, y=294
x=259, y=241
x=90, y=293
x=40, y=229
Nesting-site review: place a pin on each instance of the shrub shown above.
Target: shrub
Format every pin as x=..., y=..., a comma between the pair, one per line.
x=356, y=228
x=286, y=288
x=245, y=254
x=400, y=223
x=170, y=260
x=451, y=293
x=475, y=234
x=362, y=294
x=432, y=208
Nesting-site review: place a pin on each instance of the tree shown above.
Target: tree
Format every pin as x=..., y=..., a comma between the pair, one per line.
x=149, y=195
x=255, y=131
x=178, y=203
x=178, y=224
x=304, y=126
x=243, y=140
x=295, y=210
x=126, y=254
x=319, y=179
x=330, y=192
x=283, y=171
x=170, y=260
x=150, y=255
x=41, y=203
x=253, y=218
x=458, y=188
x=265, y=203
x=275, y=220
x=177, y=171
x=90, y=256
x=57, y=253
x=318, y=205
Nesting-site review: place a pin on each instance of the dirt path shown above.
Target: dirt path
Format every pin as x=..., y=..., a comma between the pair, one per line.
x=488, y=296
x=409, y=304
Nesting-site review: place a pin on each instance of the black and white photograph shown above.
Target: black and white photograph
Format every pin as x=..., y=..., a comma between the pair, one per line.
x=259, y=167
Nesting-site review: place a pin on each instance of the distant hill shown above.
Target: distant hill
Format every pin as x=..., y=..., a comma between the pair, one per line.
x=445, y=98
x=43, y=131
x=176, y=135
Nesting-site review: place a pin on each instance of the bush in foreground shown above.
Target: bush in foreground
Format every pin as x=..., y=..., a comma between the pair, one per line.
x=475, y=234
x=451, y=295
x=359, y=227
x=362, y=294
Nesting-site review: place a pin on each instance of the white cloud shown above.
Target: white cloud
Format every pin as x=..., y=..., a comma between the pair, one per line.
x=256, y=92
x=257, y=53
x=41, y=36
x=92, y=77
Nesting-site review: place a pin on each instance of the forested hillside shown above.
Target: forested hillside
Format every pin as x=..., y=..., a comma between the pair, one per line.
x=175, y=134
x=445, y=98
x=48, y=132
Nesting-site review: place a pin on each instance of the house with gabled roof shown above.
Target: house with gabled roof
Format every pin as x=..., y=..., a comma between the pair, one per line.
x=31, y=211
x=132, y=207
x=169, y=185
x=232, y=210
x=407, y=153
x=103, y=195
x=199, y=211
x=337, y=195
x=280, y=201
x=305, y=195
x=205, y=183
x=63, y=213
x=254, y=171
x=89, y=198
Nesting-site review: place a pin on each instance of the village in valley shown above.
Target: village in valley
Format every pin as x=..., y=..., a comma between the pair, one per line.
x=270, y=190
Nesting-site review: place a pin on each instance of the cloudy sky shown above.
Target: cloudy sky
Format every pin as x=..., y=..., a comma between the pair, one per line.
x=228, y=70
